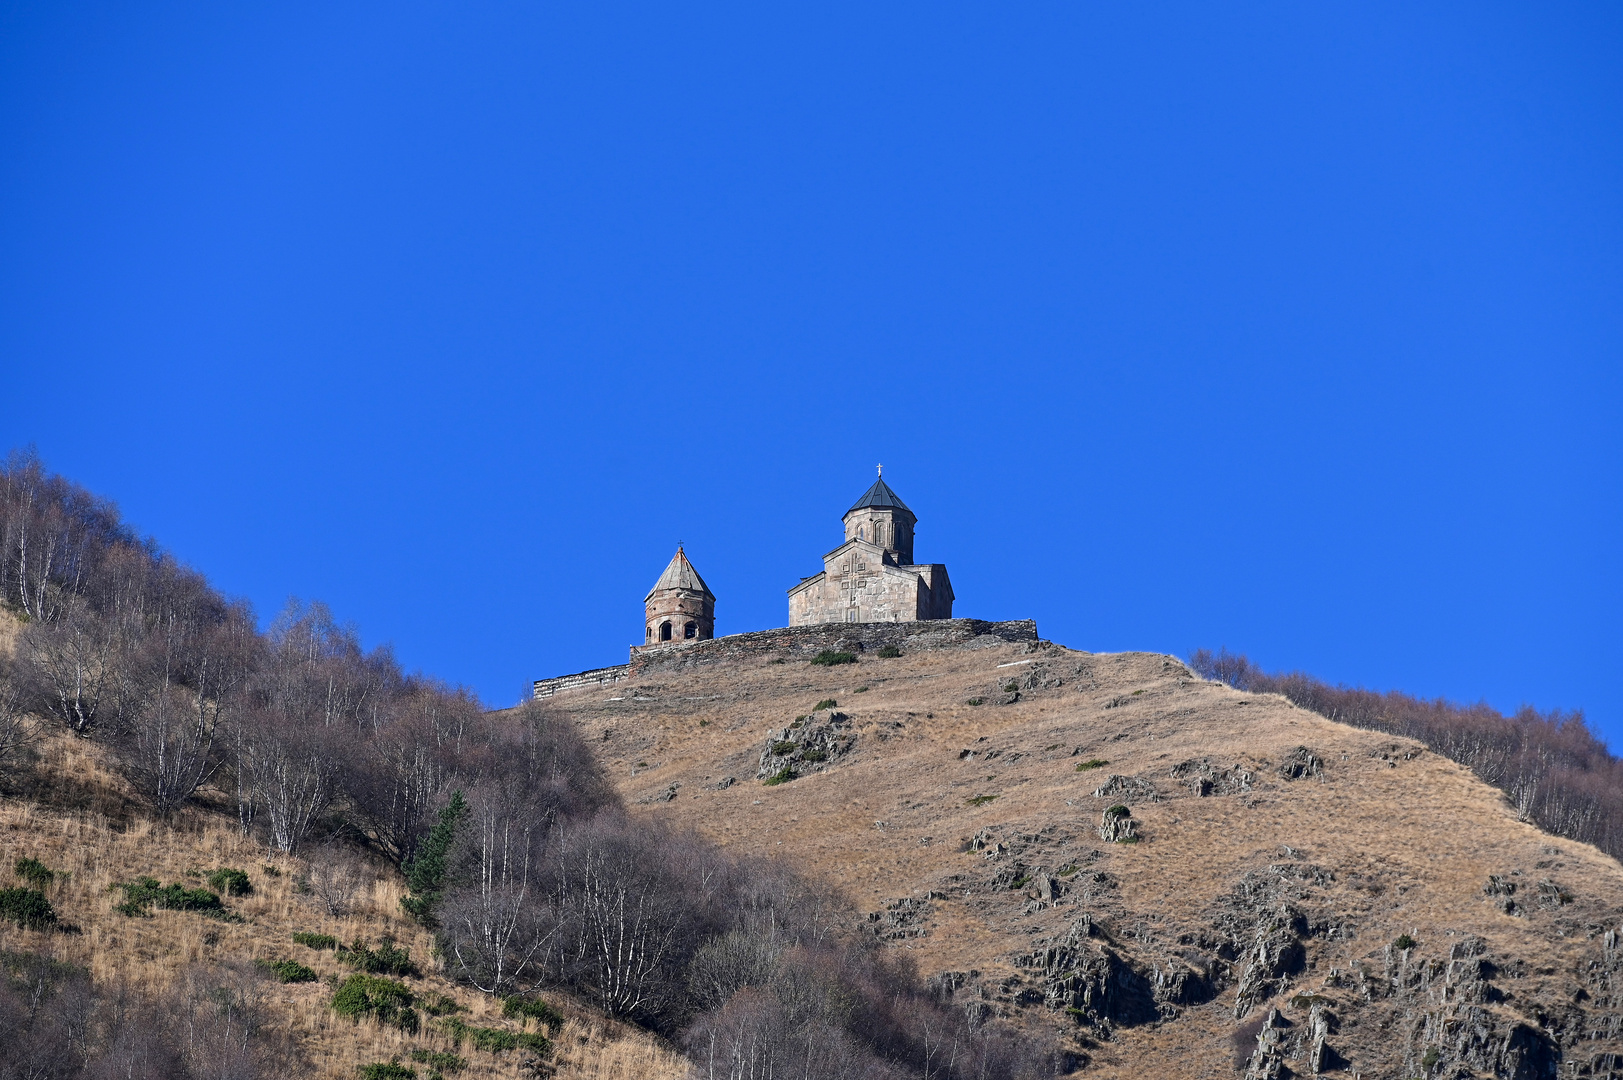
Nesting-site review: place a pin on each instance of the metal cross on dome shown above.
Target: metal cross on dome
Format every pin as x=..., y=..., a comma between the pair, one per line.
x=881, y=469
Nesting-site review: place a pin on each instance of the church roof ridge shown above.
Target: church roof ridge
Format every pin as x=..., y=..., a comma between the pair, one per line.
x=879, y=497
x=679, y=574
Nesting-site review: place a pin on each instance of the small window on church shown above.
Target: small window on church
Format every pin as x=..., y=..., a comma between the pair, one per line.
x=664, y=631
x=690, y=630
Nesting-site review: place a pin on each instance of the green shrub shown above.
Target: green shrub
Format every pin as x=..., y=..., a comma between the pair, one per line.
x=386, y=959
x=979, y=800
x=1010, y=687
x=1404, y=943
x=532, y=1009
x=143, y=894
x=1431, y=1057
x=288, y=971
x=889, y=652
x=1093, y=763
x=315, y=941
x=436, y=1004
x=389, y=1002
x=387, y=1070
x=860, y=690
x=1118, y=811
x=831, y=657
x=782, y=776
x=230, y=882
x=494, y=1040
x=976, y=701
x=35, y=873
x=27, y=908
x=826, y=703
x=438, y=1059
x=814, y=755
x=782, y=748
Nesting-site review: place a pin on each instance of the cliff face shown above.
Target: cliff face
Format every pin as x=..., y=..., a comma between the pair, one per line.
x=1176, y=878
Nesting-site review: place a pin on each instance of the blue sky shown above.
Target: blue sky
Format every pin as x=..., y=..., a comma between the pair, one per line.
x=1288, y=328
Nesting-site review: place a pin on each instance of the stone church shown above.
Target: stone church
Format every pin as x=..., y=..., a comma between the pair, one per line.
x=872, y=576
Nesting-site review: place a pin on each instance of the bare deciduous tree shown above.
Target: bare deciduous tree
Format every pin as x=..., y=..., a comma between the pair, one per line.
x=500, y=924
x=70, y=668
x=188, y=687
x=18, y=727
x=334, y=878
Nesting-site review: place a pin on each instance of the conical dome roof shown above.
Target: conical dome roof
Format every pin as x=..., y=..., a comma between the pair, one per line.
x=879, y=497
x=679, y=574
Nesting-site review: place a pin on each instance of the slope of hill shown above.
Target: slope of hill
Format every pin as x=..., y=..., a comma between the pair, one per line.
x=1177, y=878
x=73, y=814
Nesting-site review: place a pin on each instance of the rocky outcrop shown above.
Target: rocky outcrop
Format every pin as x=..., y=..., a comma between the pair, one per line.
x=1300, y=763
x=1280, y=1042
x=1601, y=977
x=1202, y=778
x=1274, y=954
x=902, y=918
x=1262, y=932
x=1502, y=890
x=1127, y=789
x=1116, y=826
x=1092, y=982
x=810, y=744
x=1454, y=1019
x=1102, y=986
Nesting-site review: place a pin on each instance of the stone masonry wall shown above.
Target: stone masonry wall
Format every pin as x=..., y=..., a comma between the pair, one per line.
x=794, y=641
x=545, y=688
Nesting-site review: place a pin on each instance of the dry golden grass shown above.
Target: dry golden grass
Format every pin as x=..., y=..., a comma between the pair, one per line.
x=1412, y=842
x=151, y=953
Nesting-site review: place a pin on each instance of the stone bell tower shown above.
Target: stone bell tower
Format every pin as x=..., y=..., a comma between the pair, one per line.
x=680, y=606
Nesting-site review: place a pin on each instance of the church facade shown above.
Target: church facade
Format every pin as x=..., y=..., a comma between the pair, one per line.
x=872, y=576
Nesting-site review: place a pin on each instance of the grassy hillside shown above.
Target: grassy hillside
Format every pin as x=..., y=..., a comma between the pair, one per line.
x=1385, y=901
x=168, y=715
x=82, y=824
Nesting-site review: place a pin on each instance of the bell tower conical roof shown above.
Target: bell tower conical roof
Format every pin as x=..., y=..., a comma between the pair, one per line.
x=679, y=574
x=879, y=497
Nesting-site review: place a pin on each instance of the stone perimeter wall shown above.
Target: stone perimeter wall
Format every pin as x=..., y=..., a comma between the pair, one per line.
x=797, y=641
x=602, y=676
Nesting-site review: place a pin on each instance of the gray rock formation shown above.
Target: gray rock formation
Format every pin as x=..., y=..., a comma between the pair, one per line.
x=1116, y=826
x=1274, y=954
x=1128, y=789
x=810, y=744
x=1300, y=763
x=1203, y=778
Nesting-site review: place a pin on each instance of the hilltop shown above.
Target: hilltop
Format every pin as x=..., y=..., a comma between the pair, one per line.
x=1171, y=876
x=939, y=849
